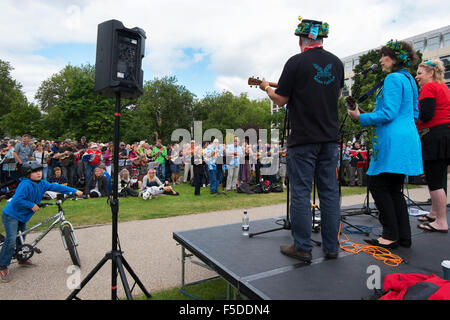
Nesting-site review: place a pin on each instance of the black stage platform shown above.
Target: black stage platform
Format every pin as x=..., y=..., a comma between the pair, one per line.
x=258, y=270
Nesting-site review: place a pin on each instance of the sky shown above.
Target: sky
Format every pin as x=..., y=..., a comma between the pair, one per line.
x=208, y=45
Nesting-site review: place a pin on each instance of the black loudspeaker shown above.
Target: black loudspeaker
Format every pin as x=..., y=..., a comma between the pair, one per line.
x=119, y=60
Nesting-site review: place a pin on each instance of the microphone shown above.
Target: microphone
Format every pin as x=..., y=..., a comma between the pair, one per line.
x=372, y=67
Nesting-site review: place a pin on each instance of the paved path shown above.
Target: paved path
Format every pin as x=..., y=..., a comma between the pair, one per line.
x=148, y=247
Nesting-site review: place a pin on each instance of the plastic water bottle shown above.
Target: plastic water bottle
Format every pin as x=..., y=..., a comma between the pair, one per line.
x=245, y=224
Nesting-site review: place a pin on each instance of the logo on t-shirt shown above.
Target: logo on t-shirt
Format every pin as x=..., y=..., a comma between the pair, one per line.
x=324, y=75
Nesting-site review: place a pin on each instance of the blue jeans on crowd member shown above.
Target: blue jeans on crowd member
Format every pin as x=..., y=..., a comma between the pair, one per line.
x=45, y=173
x=161, y=172
x=305, y=163
x=11, y=226
x=89, y=169
x=214, y=179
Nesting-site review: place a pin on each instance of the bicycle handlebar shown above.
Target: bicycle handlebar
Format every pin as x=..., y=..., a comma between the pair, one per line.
x=59, y=201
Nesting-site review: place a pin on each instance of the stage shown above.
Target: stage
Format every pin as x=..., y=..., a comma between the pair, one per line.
x=257, y=269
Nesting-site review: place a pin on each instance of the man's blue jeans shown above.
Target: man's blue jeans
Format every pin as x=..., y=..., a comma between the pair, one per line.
x=215, y=176
x=161, y=172
x=305, y=163
x=11, y=226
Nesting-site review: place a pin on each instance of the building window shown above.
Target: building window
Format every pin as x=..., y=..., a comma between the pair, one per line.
x=433, y=43
x=446, y=39
x=348, y=66
x=355, y=63
x=419, y=45
x=446, y=61
x=346, y=89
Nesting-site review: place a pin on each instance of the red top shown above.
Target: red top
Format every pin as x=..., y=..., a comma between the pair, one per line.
x=441, y=93
x=96, y=158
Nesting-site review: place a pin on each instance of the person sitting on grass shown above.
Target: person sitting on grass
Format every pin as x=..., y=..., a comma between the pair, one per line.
x=98, y=185
x=22, y=206
x=58, y=178
x=125, y=187
x=152, y=184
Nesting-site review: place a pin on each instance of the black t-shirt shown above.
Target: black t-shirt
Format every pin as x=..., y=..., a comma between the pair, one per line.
x=312, y=80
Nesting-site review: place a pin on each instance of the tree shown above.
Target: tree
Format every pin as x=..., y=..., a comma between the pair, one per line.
x=364, y=84
x=53, y=91
x=163, y=107
x=226, y=111
x=11, y=97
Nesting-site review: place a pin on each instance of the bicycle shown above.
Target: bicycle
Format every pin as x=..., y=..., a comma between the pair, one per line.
x=25, y=251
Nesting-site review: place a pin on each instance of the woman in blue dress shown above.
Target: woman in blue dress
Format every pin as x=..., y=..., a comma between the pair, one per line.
x=396, y=144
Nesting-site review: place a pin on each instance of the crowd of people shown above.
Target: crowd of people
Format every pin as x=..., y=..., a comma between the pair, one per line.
x=88, y=166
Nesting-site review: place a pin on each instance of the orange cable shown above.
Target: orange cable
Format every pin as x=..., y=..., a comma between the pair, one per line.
x=378, y=253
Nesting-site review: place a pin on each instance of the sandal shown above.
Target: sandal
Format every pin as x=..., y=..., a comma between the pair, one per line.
x=426, y=218
x=424, y=226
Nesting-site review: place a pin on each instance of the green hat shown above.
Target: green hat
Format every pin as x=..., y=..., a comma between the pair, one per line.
x=312, y=29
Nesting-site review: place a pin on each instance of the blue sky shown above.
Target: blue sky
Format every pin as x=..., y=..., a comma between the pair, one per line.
x=210, y=46
x=196, y=76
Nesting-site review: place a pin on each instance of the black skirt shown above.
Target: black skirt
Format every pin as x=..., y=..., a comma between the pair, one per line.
x=436, y=143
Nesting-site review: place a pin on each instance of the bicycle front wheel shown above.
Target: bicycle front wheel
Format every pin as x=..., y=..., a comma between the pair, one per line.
x=70, y=243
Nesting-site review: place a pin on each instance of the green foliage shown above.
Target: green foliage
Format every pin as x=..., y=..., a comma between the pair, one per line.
x=69, y=108
x=363, y=84
x=12, y=99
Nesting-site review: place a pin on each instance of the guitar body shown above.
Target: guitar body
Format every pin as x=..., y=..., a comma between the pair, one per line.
x=352, y=104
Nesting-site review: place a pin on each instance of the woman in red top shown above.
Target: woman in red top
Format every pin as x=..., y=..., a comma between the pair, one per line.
x=434, y=130
x=94, y=160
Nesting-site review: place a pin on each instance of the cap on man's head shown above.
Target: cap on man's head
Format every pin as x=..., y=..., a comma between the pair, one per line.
x=312, y=29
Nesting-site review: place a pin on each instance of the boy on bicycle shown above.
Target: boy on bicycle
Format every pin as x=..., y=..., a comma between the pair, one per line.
x=22, y=206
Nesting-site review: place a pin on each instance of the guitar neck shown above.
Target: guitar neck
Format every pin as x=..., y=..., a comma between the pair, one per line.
x=257, y=82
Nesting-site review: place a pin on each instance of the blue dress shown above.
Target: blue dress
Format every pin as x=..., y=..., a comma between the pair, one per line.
x=396, y=141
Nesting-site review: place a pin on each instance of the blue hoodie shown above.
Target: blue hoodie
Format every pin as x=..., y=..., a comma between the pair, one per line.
x=29, y=193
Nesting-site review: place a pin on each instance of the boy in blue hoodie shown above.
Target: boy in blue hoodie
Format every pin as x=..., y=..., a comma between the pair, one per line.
x=22, y=206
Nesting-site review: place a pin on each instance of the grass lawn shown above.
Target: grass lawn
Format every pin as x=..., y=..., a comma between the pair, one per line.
x=98, y=211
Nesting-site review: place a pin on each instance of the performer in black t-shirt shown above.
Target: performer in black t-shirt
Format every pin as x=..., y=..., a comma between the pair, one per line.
x=310, y=85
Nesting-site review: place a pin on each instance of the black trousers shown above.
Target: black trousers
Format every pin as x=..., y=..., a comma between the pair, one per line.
x=386, y=190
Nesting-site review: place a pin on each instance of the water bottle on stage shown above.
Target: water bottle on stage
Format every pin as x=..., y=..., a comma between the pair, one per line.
x=245, y=224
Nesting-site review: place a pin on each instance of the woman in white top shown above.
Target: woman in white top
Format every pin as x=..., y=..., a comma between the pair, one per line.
x=41, y=156
x=151, y=184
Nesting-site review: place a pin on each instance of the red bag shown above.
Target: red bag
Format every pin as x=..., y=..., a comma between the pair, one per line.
x=415, y=287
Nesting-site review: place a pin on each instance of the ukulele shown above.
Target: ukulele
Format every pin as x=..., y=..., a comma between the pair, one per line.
x=252, y=81
x=352, y=104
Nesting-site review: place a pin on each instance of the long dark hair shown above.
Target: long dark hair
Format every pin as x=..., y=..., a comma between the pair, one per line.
x=399, y=64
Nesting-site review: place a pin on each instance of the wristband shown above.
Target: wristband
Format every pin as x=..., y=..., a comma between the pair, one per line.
x=265, y=89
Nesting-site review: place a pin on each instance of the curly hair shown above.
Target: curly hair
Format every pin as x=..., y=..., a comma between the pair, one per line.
x=437, y=66
x=399, y=64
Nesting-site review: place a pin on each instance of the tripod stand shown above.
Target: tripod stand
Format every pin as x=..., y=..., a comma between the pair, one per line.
x=115, y=255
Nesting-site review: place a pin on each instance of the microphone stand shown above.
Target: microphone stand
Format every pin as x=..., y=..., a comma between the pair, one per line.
x=366, y=208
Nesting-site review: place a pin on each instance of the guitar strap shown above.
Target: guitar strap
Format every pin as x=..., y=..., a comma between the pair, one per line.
x=370, y=92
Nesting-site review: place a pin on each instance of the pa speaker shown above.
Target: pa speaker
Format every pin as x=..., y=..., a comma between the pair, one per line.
x=118, y=64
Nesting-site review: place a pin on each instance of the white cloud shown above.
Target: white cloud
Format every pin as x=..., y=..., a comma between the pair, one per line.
x=241, y=38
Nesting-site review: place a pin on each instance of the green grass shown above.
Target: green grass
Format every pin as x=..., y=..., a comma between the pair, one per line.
x=98, y=211
x=209, y=290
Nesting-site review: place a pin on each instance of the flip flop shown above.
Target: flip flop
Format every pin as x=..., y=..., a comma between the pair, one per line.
x=432, y=229
x=426, y=218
